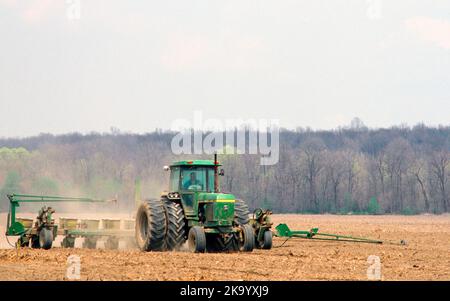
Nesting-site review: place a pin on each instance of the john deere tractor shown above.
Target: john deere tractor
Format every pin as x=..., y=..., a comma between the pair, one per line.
x=195, y=210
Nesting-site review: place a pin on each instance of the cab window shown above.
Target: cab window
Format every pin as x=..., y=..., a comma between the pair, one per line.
x=197, y=179
x=174, y=179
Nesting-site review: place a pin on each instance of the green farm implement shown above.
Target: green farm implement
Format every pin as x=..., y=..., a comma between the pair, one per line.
x=282, y=230
x=42, y=232
x=92, y=236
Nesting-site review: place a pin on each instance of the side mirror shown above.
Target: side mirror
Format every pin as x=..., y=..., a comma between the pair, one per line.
x=222, y=172
x=166, y=168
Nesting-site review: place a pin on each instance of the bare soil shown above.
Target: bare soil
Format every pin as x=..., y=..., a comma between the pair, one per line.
x=426, y=257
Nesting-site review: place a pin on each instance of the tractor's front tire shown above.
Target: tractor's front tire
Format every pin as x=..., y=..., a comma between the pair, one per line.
x=45, y=238
x=197, y=240
x=150, y=228
x=246, y=238
x=176, y=235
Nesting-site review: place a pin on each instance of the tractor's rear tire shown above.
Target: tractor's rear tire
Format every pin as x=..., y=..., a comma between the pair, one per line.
x=241, y=213
x=267, y=244
x=150, y=228
x=246, y=239
x=197, y=240
x=45, y=238
x=176, y=233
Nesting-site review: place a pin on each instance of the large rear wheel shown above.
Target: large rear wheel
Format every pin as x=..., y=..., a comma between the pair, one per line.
x=150, y=228
x=176, y=235
x=266, y=243
x=241, y=213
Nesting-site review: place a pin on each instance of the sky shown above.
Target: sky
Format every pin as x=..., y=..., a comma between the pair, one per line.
x=90, y=65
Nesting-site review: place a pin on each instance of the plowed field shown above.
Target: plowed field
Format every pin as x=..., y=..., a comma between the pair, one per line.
x=425, y=257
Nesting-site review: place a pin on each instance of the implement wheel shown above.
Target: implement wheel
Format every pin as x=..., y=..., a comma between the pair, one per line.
x=197, y=240
x=150, y=227
x=267, y=244
x=45, y=238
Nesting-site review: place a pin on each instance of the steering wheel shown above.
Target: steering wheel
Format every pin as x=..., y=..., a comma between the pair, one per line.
x=195, y=187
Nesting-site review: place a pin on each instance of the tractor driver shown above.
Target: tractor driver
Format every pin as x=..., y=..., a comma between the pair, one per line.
x=192, y=181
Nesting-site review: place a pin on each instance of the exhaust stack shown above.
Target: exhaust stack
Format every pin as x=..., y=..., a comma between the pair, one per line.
x=216, y=174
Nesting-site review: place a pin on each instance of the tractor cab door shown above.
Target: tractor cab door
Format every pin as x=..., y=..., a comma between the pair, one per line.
x=190, y=207
x=190, y=203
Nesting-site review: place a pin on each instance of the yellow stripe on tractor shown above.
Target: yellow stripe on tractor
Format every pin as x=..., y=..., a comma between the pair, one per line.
x=225, y=201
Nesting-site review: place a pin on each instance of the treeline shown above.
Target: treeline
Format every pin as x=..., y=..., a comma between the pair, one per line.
x=349, y=170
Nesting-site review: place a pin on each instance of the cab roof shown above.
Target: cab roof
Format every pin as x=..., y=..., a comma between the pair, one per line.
x=194, y=163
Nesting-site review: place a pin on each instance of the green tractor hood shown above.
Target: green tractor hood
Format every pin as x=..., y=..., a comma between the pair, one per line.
x=218, y=209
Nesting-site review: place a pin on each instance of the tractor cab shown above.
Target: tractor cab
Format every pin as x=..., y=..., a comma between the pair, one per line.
x=195, y=175
x=195, y=184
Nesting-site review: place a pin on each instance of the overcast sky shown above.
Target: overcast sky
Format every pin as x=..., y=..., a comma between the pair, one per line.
x=138, y=65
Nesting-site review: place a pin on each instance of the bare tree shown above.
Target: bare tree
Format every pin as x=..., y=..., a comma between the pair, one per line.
x=312, y=150
x=336, y=172
x=398, y=154
x=420, y=174
x=440, y=161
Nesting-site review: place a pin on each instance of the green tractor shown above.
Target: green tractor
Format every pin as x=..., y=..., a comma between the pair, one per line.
x=194, y=210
